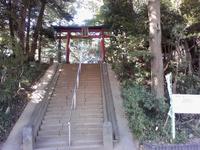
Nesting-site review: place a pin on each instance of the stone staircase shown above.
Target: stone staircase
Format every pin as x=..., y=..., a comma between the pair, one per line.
x=87, y=119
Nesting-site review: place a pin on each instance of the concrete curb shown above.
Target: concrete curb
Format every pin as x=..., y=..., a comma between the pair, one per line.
x=14, y=140
x=127, y=141
x=192, y=146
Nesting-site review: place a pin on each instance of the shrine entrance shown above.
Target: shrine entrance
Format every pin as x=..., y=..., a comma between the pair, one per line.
x=87, y=32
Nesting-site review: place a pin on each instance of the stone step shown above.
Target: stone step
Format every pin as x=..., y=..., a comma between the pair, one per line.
x=78, y=103
x=74, y=119
x=73, y=138
x=74, y=124
x=81, y=100
x=64, y=121
x=61, y=102
x=54, y=115
x=59, y=112
x=59, y=99
x=81, y=80
x=87, y=147
x=64, y=142
x=75, y=114
x=64, y=111
x=77, y=125
x=78, y=107
x=82, y=92
x=80, y=111
x=75, y=133
x=89, y=79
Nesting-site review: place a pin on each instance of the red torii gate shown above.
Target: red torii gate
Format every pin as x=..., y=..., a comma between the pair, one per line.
x=73, y=32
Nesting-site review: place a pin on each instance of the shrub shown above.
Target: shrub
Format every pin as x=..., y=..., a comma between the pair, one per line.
x=188, y=84
x=15, y=83
x=145, y=113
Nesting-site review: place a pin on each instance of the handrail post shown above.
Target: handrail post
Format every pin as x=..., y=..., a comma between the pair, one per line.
x=107, y=136
x=69, y=134
x=73, y=104
x=74, y=99
x=27, y=138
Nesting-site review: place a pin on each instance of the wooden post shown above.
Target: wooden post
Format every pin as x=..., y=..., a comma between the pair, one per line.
x=67, y=47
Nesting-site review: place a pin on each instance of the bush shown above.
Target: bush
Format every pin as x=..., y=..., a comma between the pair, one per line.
x=188, y=84
x=145, y=113
x=14, y=87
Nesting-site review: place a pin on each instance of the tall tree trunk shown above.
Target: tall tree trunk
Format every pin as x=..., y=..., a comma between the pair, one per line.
x=40, y=48
x=28, y=31
x=188, y=58
x=37, y=30
x=21, y=26
x=11, y=26
x=155, y=47
x=199, y=62
x=177, y=57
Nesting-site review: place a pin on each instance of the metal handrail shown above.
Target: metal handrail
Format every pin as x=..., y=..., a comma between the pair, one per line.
x=73, y=103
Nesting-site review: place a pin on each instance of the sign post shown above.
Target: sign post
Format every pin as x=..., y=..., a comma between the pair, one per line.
x=181, y=103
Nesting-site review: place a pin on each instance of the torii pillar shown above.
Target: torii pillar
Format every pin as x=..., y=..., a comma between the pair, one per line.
x=68, y=47
x=59, y=47
x=103, y=50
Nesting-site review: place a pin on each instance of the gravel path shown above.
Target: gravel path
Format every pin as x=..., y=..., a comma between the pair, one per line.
x=127, y=141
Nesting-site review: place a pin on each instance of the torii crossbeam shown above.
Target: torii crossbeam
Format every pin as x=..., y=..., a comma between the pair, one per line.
x=73, y=32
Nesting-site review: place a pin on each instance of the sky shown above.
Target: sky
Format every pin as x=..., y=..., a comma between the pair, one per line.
x=86, y=9
x=82, y=15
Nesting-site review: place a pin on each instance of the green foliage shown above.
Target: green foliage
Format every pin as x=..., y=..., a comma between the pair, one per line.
x=188, y=84
x=120, y=20
x=4, y=124
x=190, y=9
x=14, y=85
x=130, y=58
x=129, y=52
x=16, y=78
x=145, y=113
x=170, y=20
x=11, y=60
x=10, y=52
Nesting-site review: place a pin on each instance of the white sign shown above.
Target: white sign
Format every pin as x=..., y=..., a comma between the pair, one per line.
x=181, y=103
